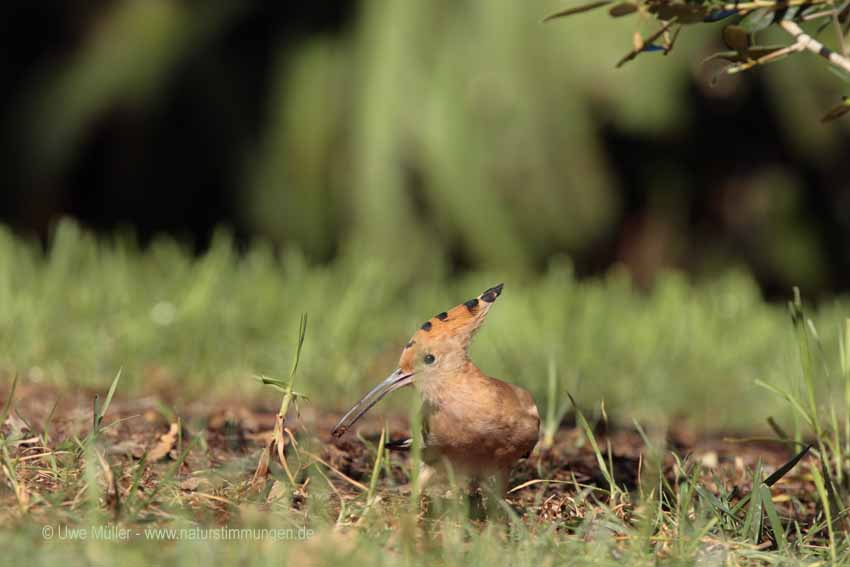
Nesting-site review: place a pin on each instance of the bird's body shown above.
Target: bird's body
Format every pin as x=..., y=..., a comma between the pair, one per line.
x=479, y=425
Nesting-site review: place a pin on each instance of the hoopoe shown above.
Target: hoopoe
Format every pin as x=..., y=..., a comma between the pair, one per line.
x=480, y=425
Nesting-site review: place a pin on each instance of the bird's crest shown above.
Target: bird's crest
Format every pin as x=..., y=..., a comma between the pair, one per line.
x=459, y=323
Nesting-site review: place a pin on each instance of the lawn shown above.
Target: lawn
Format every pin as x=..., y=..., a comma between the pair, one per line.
x=134, y=417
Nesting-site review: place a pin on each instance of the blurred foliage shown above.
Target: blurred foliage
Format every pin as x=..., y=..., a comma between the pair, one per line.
x=439, y=135
x=186, y=325
x=748, y=18
x=127, y=59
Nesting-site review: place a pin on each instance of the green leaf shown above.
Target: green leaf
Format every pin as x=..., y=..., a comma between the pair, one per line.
x=682, y=13
x=837, y=111
x=840, y=73
x=577, y=10
x=756, y=20
x=623, y=9
x=737, y=38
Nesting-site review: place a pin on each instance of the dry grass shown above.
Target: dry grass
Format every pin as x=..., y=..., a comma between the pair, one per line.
x=158, y=465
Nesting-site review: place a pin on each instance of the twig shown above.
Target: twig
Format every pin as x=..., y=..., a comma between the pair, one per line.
x=337, y=472
x=817, y=15
x=813, y=45
x=638, y=50
x=745, y=7
x=765, y=59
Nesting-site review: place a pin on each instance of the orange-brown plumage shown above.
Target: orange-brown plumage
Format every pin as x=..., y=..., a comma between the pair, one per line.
x=480, y=425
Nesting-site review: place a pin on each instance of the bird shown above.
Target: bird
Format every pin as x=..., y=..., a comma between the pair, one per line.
x=478, y=425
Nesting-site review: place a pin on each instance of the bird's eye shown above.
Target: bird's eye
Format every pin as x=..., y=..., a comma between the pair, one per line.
x=429, y=359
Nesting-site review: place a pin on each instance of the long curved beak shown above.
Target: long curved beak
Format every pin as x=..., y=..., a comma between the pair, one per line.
x=396, y=380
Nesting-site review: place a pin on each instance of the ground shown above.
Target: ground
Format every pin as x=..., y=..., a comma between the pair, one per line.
x=689, y=400
x=160, y=466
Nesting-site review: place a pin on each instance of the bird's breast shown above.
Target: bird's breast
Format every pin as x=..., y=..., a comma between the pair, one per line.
x=485, y=424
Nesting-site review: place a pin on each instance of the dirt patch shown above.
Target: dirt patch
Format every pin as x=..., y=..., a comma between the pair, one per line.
x=205, y=455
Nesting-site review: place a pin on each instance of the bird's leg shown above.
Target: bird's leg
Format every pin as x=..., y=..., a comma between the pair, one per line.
x=426, y=474
x=485, y=495
x=503, y=478
x=477, y=508
x=424, y=477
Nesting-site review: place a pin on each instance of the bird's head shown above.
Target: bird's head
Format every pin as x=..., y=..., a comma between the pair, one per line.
x=439, y=346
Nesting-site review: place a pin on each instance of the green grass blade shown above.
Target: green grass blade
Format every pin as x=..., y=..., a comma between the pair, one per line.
x=753, y=521
x=777, y=429
x=827, y=509
x=95, y=414
x=7, y=405
x=784, y=469
x=789, y=398
x=798, y=318
x=376, y=468
x=588, y=431
x=302, y=333
x=644, y=437
x=112, y=387
x=550, y=427
x=773, y=517
x=844, y=345
x=416, y=428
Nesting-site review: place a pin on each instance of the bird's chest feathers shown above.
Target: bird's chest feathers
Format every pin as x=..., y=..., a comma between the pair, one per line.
x=468, y=416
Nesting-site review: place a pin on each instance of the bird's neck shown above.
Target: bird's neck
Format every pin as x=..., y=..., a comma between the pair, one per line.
x=436, y=386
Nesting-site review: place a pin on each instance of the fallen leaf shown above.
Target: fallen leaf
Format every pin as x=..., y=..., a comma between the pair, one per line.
x=262, y=437
x=278, y=491
x=192, y=483
x=710, y=460
x=17, y=426
x=108, y=477
x=262, y=471
x=164, y=445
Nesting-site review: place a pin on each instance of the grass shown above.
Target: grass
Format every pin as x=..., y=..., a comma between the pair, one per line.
x=625, y=485
x=75, y=316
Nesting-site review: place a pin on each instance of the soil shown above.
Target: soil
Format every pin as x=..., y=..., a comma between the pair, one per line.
x=224, y=440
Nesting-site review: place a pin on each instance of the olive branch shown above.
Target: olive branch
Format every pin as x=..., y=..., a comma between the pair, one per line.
x=746, y=19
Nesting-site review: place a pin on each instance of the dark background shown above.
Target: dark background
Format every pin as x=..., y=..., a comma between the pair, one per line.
x=748, y=190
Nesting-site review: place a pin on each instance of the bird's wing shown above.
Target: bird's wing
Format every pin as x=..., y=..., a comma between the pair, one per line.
x=399, y=444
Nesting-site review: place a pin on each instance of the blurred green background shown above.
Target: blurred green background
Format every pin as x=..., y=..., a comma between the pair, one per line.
x=432, y=134
x=377, y=161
